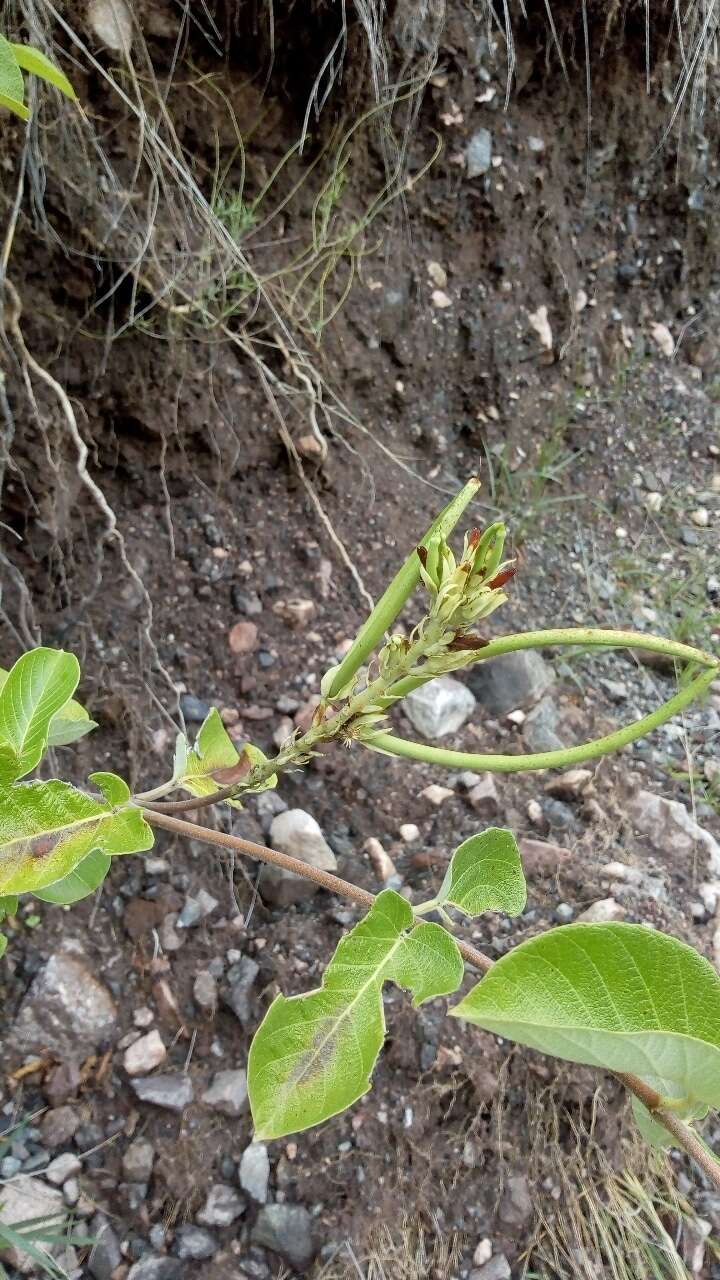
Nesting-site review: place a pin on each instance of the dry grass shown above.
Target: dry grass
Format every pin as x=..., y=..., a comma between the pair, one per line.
x=417, y=1250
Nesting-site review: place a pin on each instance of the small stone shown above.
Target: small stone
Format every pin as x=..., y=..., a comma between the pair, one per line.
x=516, y=1206
x=700, y=517
x=663, y=339
x=616, y=690
x=689, y=537
x=483, y=1252
x=111, y=23
x=267, y=805
x=558, y=815
x=255, y=1171
x=484, y=798
x=297, y=833
x=242, y=977
x=205, y=991
x=381, y=862
x=105, y=1254
x=170, y=939
x=570, y=784
x=228, y=1093
x=478, y=153
x=62, y=1168
x=602, y=912
x=517, y=717
x=436, y=794
x=23, y=1198
x=539, y=729
x=440, y=299
x=536, y=145
x=143, y=1017
x=194, y=710
x=297, y=613
x=223, y=1205
x=71, y=1192
x=437, y=274
x=287, y=1230
x=514, y=680
x=138, y=1161
x=671, y=829
x=145, y=1054
x=58, y=1126
x=498, y=1268
x=67, y=1012
x=535, y=813
x=540, y=323
x=541, y=858
x=195, y=1243
x=157, y=1267
x=439, y=707
x=283, y=731
x=243, y=638
x=173, y=1092
x=196, y=909
x=9, y=1166
x=310, y=447
x=247, y=602
x=409, y=832
x=564, y=912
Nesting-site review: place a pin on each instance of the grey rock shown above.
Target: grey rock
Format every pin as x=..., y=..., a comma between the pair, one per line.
x=58, y=1126
x=228, y=1093
x=241, y=978
x=672, y=830
x=174, y=1092
x=564, y=912
x=196, y=909
x=62, y=1168
x=287, y=1230
x=9, y=1166
x=67, y=1011
x=157, y=1268
x=247, y=602
x=297, y=833
x=616, y=690
x=497, y=1268
x=255, y=1171
x=105, y=1255
x=194, y=710
x=268, y=804
x=604, y=911
x=478, y=153
x=439, y=707
x=195, y=1242
x=223, y=1205
x=25, y=1198
x=138, y=1161
x=516, y=1206
x=484, y=798
x=205, y=990
x=540, y=725
x=511, y=681
x=559, y=816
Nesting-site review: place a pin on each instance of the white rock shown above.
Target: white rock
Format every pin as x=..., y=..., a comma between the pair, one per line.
x=439, y=707
x=436, y=794
x=255, y=1171
x=483, y=1252
x=223, y=1205
x=484, y=798
x=382, y=863
x=111, y=22
x=517, y=717
x=437, y=274
x=205, y=990
x=700, y=517
x=602, y=912
x=297, y=833
x=540, y=323
x=145, y=1054
x=62, y=1168
x=22, y=1198
x=67, y=1011
x=672, y=830
x=478, y=153
x=663, y=339
x=440, y=299
x=409, y=832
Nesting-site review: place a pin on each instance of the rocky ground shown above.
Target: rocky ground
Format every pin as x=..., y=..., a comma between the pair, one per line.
x=549, y=318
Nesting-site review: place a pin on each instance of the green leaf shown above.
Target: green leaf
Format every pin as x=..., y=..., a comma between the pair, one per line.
x=485, y=874
x=3, y=944
x=37, y=64
x=68, y=724
x=12, y=87
x=313, y=1054
x=39, y=684
x=8, y=905
x=84, y=880
x=115, y=790
x=215, y=761
x=48, y=828
x=618, y=996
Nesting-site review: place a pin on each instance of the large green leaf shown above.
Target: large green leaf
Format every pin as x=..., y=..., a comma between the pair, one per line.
x=313, y=1054
x=12, y=87
x=214, y=761
x=48, y=828
x=39, y=684
x=37, y=64
x=485, y=874
x=618, y=996
x=68, y=724
x=84, y=880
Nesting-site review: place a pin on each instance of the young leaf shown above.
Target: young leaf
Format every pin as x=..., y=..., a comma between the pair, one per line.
x=48, y=828
x=37, y=64
x=485, y=874
x=80, y=883
x=3, y=945
x=115, y=790
x=618, y=996
x=8, y=906
x=39, y=684
x=214, y=761
x=12, y=87
x=68, y=724
x=313, y=1054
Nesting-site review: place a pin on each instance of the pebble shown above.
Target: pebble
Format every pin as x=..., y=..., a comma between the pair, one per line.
x=170, y=939
x=483, y=1252
x=195, y=1243
x=517, y=717
x=498, y=1268
x=145, y=1054
x=512, y=681
x=255, y=1171
x=194, y=710
x=297, y=833
x=173, y=1092
x=564, y=913
x=700, y=517
x=436, y=794
x=205, y=991
x=241, y=977
x=297, y=613
x=535, y=813
x=23, y=1198
x=516, y=1205
x=58, y=1126
x=287, y=1230
x=62, y=1168
x=111, y=23
x=196, y=909
x=478, y=153
x=542, y=858
x=409, y=832
x=381, y=862
x=568, y=785
x=223, y=1205
x=228, y=1093
x=67, y=1012
x=105, y=1255
x=157, y=1267
x=602, y=912
x=672, y=830
x=138, y=1160
x=243, y=638
x=9, y=1166
x=143, y=1017
x=247, y=602
x=484, y=798
x=267, y=805
x=440, y=707
x=71, y=1192
x=539, y=728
